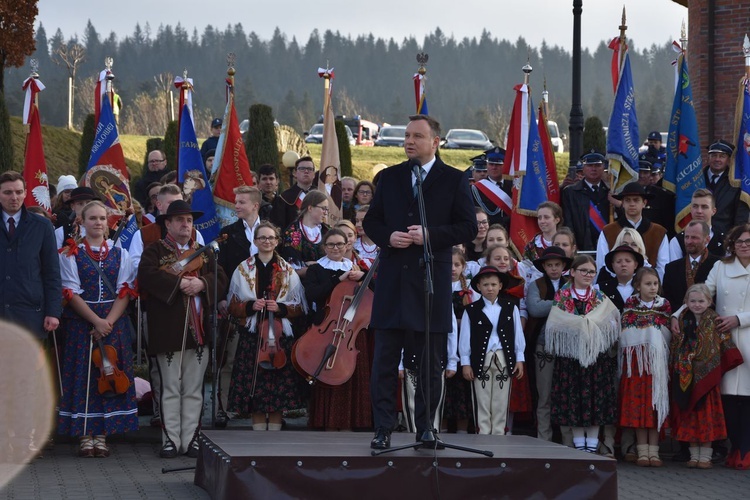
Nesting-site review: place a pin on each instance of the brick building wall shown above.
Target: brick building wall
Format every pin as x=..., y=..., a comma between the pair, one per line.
x=717, y=65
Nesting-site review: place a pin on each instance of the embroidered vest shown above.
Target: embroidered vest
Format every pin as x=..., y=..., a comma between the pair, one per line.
x=481, y=329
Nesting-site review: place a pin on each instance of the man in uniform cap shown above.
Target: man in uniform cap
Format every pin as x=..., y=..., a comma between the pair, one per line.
x=585, y=204
x=644, y=170
x=660, y=205
x=478, y=168
x=213, y=139
x=730, y=209
x=493, y=194
x=656, y=152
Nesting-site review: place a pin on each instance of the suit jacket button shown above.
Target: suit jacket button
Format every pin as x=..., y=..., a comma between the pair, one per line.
x=406, y=266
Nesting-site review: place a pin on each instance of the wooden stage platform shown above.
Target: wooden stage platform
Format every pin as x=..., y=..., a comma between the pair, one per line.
x=235, y=464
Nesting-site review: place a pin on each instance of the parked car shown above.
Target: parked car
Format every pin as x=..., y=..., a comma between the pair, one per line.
x=464, y=138
x=557, y=140
x=391, y=135
x=315, y=135
x=245, y=126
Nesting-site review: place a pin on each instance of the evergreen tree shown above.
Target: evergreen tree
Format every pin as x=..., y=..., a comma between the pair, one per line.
x=593, y=135
x=261, y=144
x=87, y=141
x=345, y=150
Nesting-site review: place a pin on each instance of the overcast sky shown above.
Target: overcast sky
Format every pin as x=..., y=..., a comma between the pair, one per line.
x=649, y=21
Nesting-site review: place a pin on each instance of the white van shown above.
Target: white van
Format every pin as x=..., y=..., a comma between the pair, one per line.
x=555, y=137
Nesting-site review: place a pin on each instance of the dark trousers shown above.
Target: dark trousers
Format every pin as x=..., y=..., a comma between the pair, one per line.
x=737, y=415
x=384, y=380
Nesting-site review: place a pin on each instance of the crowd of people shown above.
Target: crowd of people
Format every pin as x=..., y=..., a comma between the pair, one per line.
x=591, y=331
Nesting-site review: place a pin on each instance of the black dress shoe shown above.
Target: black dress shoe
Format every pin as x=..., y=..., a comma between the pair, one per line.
x=193, y=449
x=169, y=450
x=382, y=439
x=221, y=419
x=430, y=443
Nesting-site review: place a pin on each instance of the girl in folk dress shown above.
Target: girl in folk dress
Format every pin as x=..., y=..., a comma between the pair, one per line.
x=644, y=356
x=364, y=246
x=581, y=328
x=457, y=389
x=346, y=406
x=501, y=258
x=549, y=216
x=700, y=355
x=97, y=283
x=302, y=239
x=261, y=284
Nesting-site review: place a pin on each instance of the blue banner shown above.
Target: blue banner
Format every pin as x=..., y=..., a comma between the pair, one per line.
x=741, y=173
x=622, y=135
x=126, y=236
x=534, y=187
x=192, y=175
x=683, y=173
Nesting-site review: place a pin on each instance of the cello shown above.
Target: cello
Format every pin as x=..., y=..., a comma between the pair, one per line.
x=326, y=353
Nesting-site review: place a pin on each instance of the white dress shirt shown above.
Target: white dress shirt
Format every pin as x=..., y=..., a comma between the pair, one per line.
x=492, y=310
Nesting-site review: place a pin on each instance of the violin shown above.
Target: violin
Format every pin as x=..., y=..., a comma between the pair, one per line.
x=189, y=261
x=112, y=381
x=270, y=355
x=326, y=353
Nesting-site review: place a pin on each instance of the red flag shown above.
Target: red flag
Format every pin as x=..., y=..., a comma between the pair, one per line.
x=234, y=166
x=615, y=69
x=523, y=226
x=517, y=142
x=553, y=187
x=34, y=165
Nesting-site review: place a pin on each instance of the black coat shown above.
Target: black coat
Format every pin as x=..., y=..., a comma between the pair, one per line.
x=399, y=288
x=660, y=208
x=675, y=279
x=715, y=245
x=488, y=206
x=30, y=269
x=730, y=209
x=575, y=203
x=235, y=250
x=609, y=288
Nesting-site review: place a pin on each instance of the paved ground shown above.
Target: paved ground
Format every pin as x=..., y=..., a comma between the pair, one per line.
x=134, y=471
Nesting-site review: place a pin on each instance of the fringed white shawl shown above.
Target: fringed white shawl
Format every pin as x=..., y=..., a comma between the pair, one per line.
x=290, y=292
x=582, y=338
x=646, y=335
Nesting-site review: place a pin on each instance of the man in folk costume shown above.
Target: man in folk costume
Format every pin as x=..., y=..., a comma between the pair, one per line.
x=178, y=311
x=634, y=199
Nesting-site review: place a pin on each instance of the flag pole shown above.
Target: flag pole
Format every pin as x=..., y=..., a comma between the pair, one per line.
x=34, y=63
x=422, y=59
x=623, y=47
x=108, y=62
x=326, y=88
x=746, y=52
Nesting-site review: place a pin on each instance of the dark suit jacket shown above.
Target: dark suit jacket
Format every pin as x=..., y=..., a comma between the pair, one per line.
x=730, y=209
x=399, y=295
x=675, y=279
x=233, y=251
x=575, y=203
x=30, y=270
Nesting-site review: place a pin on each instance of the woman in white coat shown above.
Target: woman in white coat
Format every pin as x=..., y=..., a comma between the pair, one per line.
x=729, y=281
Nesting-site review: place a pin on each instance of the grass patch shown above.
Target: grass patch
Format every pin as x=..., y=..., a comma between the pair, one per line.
x=62, y=146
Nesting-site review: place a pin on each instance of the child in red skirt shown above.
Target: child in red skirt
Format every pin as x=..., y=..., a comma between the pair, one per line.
x=644, y=355
x=700, y=356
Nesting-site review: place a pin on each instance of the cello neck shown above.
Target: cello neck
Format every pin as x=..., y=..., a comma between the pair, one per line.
x=352, y=310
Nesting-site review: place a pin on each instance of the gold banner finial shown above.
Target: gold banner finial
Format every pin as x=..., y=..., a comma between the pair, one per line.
x=422, y=60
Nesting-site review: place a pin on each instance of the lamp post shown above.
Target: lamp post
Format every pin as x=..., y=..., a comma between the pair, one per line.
x=576, y=110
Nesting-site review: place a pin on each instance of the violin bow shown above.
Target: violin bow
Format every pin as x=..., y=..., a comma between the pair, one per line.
x=259, y=327
x=184, y=334
x=88, y=386
x=57, y=361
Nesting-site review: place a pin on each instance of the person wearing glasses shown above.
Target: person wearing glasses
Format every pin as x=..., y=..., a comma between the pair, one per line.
x=239, y=245
x=303, y=238
x=261, y=284
x=475, y=248
x=341, y=407
x=583, y=325
x=157, y=167
x=304, y=175
x=363, y=194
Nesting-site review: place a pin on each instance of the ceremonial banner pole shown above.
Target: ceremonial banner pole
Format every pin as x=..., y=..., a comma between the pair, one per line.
x=34, y=165
x=420, y=80
x=329, y=171
x=623, y=42
x=740, y=171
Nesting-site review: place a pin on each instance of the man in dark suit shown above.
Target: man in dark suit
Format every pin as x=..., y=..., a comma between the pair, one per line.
x=586, y=204
x=694, y=267
x=398, y=308
x=239, y=245
x=31, y=293
x=730, y=209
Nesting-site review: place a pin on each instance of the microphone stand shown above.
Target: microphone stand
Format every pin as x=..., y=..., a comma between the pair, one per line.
x=428, y=439
x=214, y=331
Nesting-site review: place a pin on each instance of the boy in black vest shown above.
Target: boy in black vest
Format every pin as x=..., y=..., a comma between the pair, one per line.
x=493, y=351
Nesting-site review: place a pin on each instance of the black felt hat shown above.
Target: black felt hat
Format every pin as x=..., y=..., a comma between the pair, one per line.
x=623, y=248
x=552, y=253
x=489, y=270
x=180, y=207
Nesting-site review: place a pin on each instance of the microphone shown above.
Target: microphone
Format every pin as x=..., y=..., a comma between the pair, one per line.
x=415, y=165
x=214, y=246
